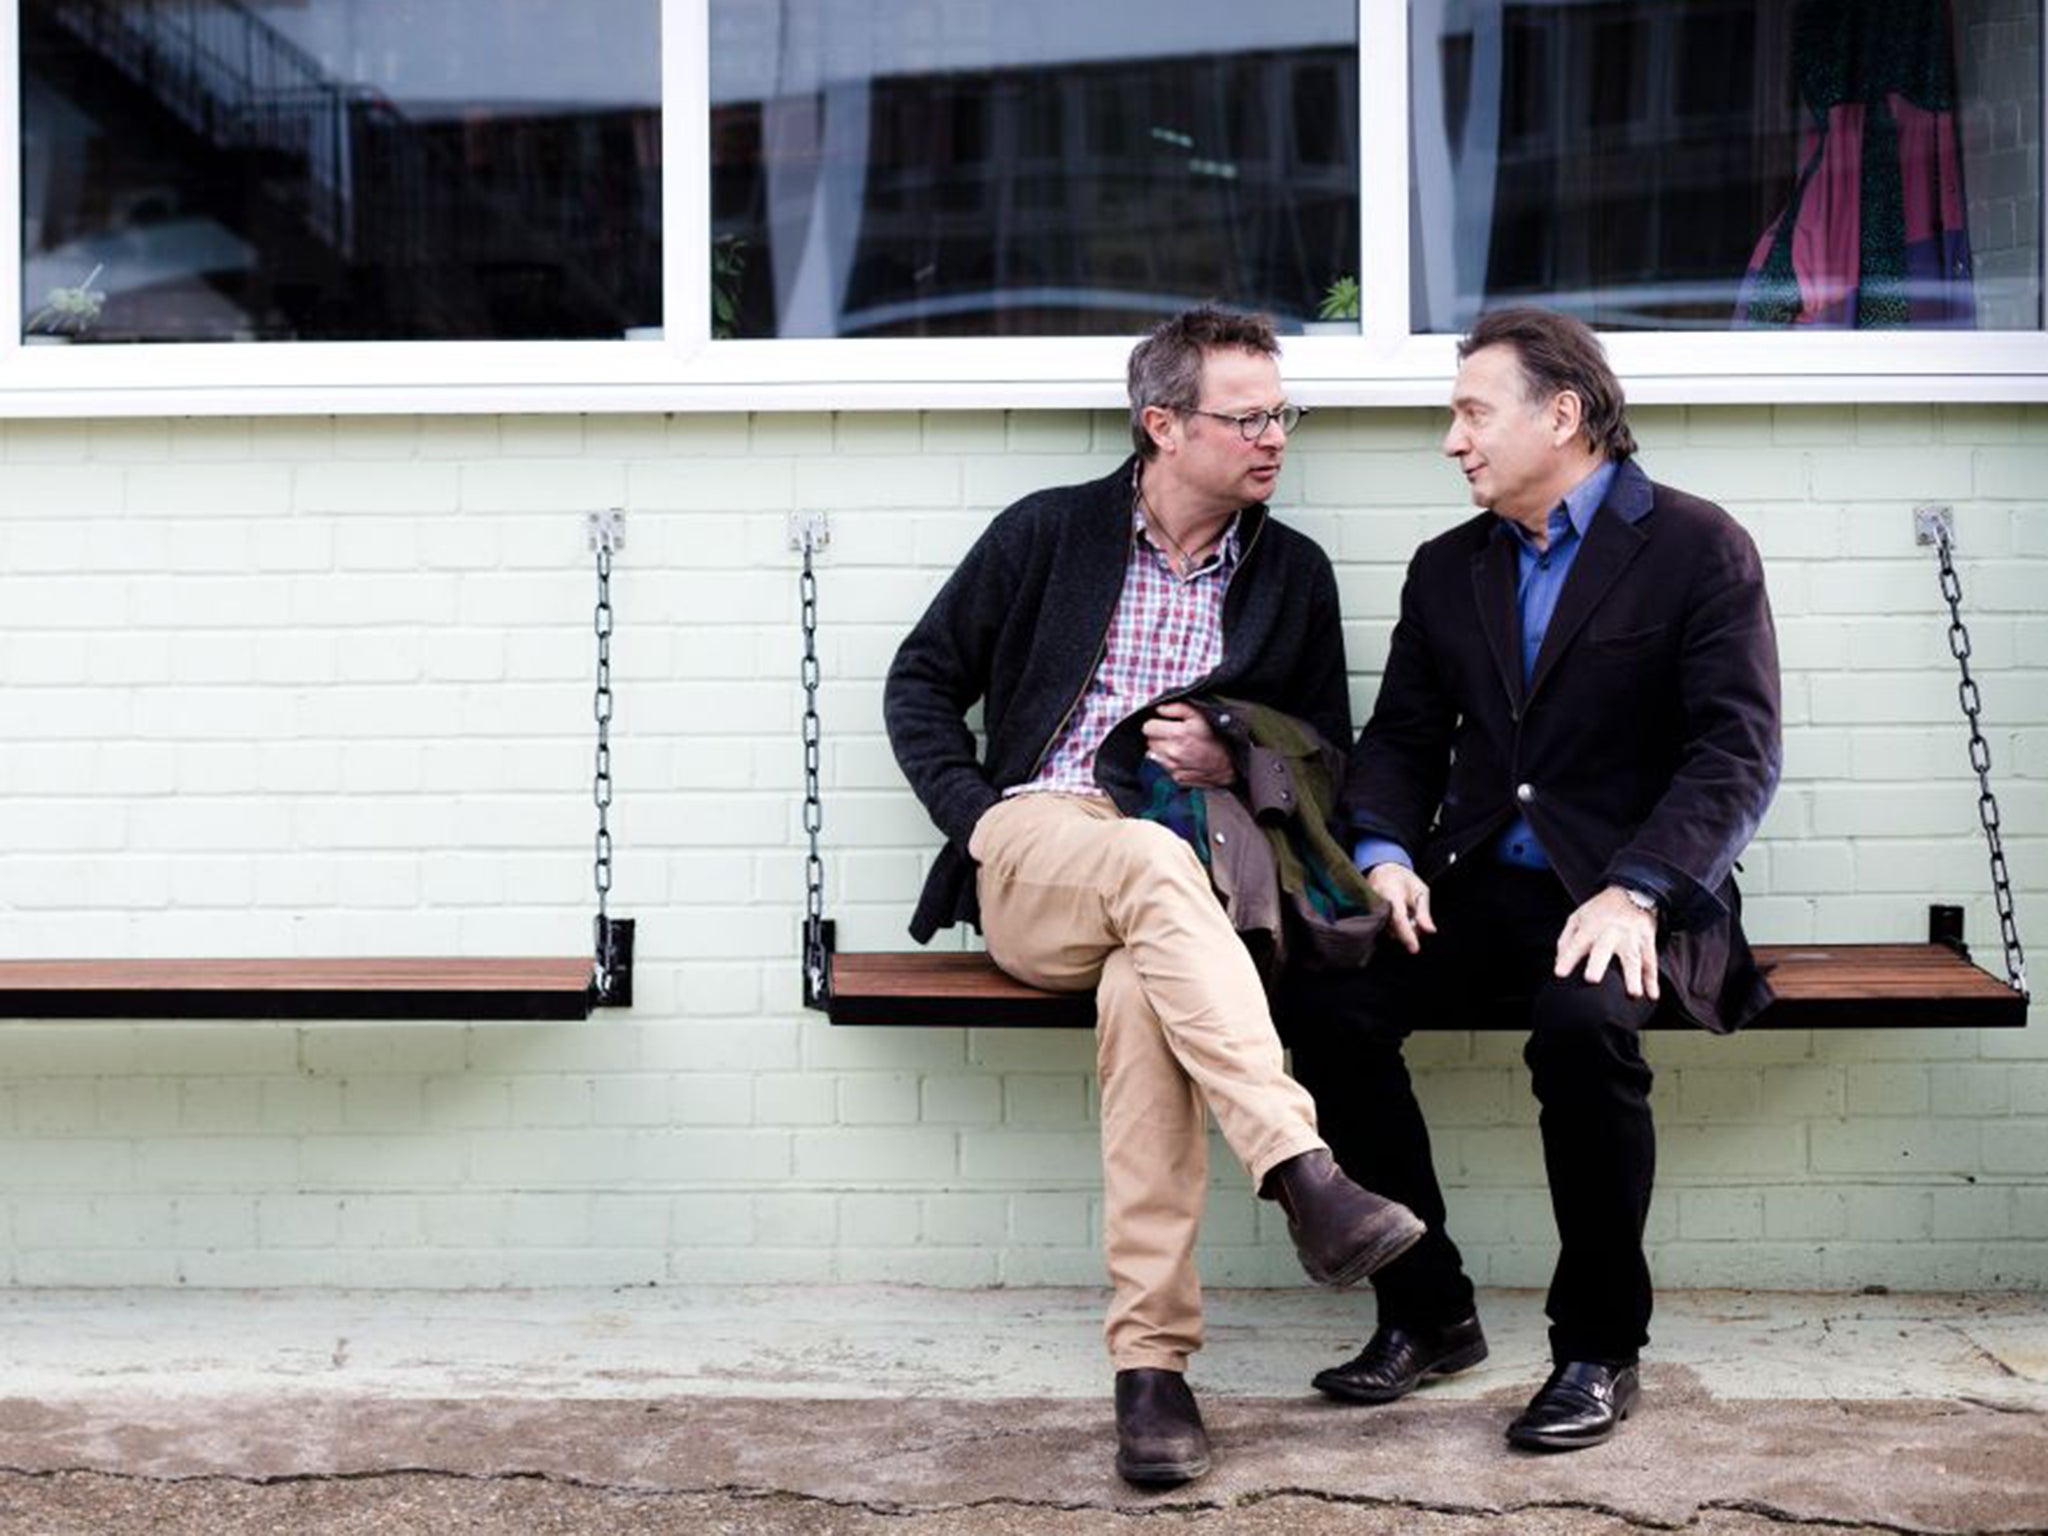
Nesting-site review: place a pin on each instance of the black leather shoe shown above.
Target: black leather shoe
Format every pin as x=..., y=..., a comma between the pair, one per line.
x=1395, y=1360
x=1582, y=1404
x=1341, y=1232
x=1159, y=1436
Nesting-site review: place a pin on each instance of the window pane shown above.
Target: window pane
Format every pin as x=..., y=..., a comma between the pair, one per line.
x=913, y=168
x=1717, y=164
x=340, y=170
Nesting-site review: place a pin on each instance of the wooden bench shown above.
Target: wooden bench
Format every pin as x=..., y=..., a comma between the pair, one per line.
x=1818, y=986
x=460, y=989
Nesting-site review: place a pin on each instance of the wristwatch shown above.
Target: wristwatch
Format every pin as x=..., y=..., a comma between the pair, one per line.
x=1642, y=899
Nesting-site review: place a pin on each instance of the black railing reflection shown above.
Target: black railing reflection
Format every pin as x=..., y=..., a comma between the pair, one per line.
x=433, y=253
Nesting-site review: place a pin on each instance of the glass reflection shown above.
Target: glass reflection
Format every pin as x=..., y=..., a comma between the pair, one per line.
x=203, y=170
x=907, y=168
x=1728, y=163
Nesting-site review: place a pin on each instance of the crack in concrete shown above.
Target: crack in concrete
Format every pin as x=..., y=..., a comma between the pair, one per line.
x=1982, y=1351
x=1155, y=1507
x=1992, y=1405
x=1785, y=1517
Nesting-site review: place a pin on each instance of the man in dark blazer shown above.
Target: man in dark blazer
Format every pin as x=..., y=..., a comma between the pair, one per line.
x=1575, y=737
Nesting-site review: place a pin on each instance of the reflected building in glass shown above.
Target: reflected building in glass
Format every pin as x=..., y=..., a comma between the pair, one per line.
x=340, y=170
x=1717, y=164
x=894, y=168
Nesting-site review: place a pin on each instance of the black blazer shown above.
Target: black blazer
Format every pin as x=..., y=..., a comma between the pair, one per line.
x=1644, y=748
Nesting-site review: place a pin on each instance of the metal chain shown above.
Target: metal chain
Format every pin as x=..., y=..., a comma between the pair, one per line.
x=814, y=805
x=1980, y=759
x=601, y=785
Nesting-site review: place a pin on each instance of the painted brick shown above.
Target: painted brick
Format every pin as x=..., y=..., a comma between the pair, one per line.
x=376, y=1161
x=959, y=1099
x=1967, y=1091
x=1488, y=1096
x=955, y=1267
x=2015, y=1146
x=216, y=1106
x=372, y=710
x=1931, y=473
x=880, y=481
x=1061, y=1219
x=1892, y=425
x=1723, y=1094
x=1896, y=1146
x=893, y=1155
x=1803, y=1092
x=712, y=1098
x=963, y=432
x=878, y=1099
x=964, y=1221
x=1887, y=1090
x=882, y=1220
x=1732, y=1152
x=1889, y=1214
x=1974, y=1214
x=1035, y=1099
x=1029, y=1157
x=1715, y=1215
x=377, y=488
x=796, y=1220
x=751, y=1266
x=1800, y=1213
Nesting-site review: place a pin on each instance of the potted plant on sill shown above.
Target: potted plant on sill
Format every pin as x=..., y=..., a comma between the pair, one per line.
x=1337, y=313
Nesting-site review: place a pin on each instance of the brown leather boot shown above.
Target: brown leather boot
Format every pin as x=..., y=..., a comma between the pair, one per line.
x=1159, y=1436
x=1342, y=1232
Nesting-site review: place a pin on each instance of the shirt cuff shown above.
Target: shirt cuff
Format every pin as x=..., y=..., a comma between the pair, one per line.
x=1378, y=850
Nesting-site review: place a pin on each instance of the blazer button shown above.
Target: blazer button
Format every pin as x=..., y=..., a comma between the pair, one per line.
x=1525, y=793
x=1219, y=838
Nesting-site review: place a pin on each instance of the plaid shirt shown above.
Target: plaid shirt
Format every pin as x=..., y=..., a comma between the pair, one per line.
x=1167, y=633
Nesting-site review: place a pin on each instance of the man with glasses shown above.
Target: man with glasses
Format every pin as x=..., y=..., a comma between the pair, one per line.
x=1083, y=621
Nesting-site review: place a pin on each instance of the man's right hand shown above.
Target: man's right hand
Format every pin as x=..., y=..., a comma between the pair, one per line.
x=1407, y=899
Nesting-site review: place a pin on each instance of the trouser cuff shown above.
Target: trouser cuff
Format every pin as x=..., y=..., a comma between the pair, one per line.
x=1277, y=1149
x=1149, y=1359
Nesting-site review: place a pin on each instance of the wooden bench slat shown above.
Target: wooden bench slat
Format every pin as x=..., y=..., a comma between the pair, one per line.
x=1818, y=986
x=515, y=987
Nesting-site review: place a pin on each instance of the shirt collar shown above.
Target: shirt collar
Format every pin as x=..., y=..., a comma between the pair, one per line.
x=1226, y=550
x=1580, y=503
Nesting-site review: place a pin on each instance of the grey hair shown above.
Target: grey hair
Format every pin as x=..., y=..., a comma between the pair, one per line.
x=1557, y=353
x=1166, y=367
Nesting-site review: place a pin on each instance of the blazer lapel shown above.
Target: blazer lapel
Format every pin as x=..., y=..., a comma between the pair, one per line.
x=1612, y=542
x=1493, y=593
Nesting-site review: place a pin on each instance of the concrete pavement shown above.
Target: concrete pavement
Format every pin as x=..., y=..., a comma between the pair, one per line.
x=911, y=1411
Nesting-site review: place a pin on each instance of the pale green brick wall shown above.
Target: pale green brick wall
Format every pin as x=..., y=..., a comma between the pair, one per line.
x=321, y=686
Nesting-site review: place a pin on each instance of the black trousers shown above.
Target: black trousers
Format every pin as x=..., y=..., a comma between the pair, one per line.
x=1494, y=949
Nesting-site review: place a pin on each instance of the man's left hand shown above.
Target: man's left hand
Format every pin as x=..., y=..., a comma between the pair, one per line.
x=1612, y=927
x=1178, y=739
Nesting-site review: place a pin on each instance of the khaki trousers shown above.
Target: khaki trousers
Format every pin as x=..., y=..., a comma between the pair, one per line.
x=1076, y=895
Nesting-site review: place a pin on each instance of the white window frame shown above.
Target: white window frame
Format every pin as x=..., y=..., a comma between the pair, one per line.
x=686, y=370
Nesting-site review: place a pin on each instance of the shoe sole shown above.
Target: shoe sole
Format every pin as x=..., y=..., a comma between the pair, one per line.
x=1160, y=1474
x=1374, y=1257
x=1331, y=1384
x=1536, y=1440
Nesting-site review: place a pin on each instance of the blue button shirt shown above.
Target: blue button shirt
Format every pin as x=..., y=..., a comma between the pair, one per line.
x=1540, y=579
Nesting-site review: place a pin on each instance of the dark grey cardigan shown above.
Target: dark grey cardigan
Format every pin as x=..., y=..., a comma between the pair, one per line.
x=1020, y=626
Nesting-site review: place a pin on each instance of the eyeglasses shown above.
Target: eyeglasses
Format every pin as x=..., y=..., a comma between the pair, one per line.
x=1252, y=425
